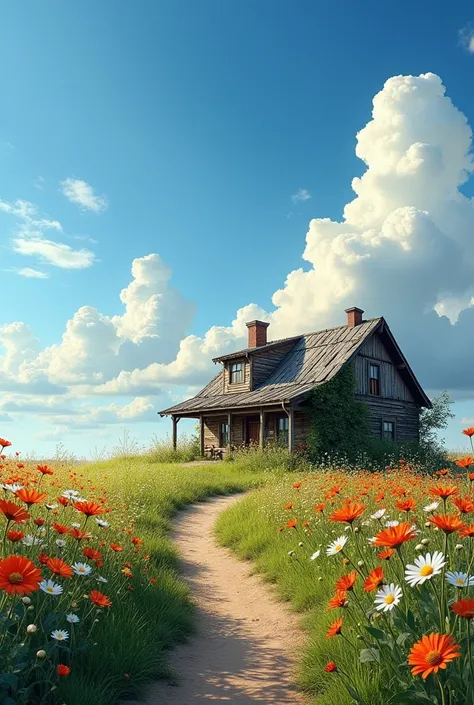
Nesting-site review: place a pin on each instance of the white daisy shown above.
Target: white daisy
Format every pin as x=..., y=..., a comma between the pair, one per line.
x=394, y=522
x=60, y=635
x=388, y=597
x=82, y=569
x=315, y=555
x=425, y=568
x=51, y=506
x=30, y=540
x=336, y=546
x=12, y=488
x=378, y=514
x=50, y=587
x=101, y=522
x=75, y=525
x=431, y=507
x=70, y=494
x=72, y=618
x=460, y=580
x=60, y=542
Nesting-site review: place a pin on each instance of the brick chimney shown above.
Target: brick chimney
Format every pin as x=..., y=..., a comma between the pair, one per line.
x=257, y=333
x=354, y=316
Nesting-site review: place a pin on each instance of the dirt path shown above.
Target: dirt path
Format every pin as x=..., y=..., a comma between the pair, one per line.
x=244, y=647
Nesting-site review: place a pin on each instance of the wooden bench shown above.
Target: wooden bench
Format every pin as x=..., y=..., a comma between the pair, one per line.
x=214, y=453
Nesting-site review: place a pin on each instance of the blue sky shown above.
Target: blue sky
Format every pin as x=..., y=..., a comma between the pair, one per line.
x=192, y=125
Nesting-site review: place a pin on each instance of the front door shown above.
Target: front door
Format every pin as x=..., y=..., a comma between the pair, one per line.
x=253, y=436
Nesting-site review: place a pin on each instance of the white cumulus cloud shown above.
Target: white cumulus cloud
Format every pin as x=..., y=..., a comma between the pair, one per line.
x=301, y=195
x=80, y=192
x=30, y=273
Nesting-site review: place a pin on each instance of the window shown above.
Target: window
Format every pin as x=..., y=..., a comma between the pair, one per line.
x=282, y=430
x=374, y=379
x=388, y=430
x=236, y=373
x=224, y=434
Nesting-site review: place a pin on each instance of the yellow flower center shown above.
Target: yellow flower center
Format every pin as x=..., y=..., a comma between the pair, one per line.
x=49, y=589
x=433, y=658
x=338, y=547
x=460, y=581
x=389, y=599
x=426, y=570
x=15, y=578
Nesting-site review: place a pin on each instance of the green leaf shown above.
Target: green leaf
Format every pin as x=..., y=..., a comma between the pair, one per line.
x=376, y=633
x=401, y=639
x=353, y=693
x=367, y=655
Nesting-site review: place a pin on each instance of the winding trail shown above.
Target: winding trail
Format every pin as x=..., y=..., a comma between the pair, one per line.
x=246, y=642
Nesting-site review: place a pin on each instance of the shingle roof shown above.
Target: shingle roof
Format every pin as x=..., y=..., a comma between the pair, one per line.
x=313, y=359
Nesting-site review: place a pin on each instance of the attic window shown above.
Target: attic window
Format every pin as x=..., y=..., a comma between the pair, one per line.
x=374, y=379
x=236, y=373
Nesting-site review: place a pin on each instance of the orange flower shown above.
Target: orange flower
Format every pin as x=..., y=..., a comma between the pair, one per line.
x=63, y=500
x=405, y=505
x=116, y=547
x=373, y=580
x=331, y=667
x=386, y=555
x=467, y=532
x=138, y=542
x=289, y=506
x=464, y=504
x=62, y=670
x=433, y=652
x=44, y=470
x=471, y=476
x=319, y=507
x=291, y=524
x=79, y=534
x=60, y=528
x=43, y=558
x=394, y=536
x=348, y=512
x=59, y=567
x=19, y=576
x=464, y=608
x=13, y=512
x=297, y=485
x=4, y=443
x=465, y=462
x=449, y=523
x=99, y=599
x=469, y=431
x=13, y=535
x=346, y=582
x=339, y=600
x=30, y=496
x=444, y=491
x=90, y=509
x=92, y=553
x=335, y=628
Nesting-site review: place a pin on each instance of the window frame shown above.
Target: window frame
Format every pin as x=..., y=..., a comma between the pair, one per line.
x=241, y=371
x=223, y=434
x=282, y=435
x=393, y=437
x=378, y=379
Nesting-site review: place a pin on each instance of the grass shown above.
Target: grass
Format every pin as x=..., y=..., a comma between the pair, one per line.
x=130, y=645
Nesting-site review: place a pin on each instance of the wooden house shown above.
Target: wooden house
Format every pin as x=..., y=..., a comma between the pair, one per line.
x=259, y=393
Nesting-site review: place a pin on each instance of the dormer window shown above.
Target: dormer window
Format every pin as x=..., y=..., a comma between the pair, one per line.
x=374, y=379
x=236, y=372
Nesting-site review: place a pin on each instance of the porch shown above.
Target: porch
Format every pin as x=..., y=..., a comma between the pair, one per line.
x=230, y=430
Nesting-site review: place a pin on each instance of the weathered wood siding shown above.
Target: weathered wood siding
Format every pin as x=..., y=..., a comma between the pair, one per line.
x=404, y=414
x=302, y=428
x=392, y=385
x=266, y=362
x=211, y=429
x=241, y=386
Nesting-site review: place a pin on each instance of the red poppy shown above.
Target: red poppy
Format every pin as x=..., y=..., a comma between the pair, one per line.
x=335, y=628
x=59, y=567
x=44, y=470
x=99, y=599
x=19, y=576
x=13, y=512
x=14, y=536
x=60, y=528
x=469, y=431
x=4, y=443
x=464, y=608
x=136, y=541
x=91, y=553
x=431, y=653
x=331, y=667
x=449, y=523
x=116, y=547
x=373, y=580
x=43, y=558
x=62, y=670
x=348, y=512
x=394, y=536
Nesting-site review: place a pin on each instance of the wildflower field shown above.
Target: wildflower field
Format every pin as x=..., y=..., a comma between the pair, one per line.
x=90, y=598
x=381, y=567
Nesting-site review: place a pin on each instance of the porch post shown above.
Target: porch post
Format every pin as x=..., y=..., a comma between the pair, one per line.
x=261, y=440
x=291, y=430
x=201, y=435
x=229, y=426
x=175, y=420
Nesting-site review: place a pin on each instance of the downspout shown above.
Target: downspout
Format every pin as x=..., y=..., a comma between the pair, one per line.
x=290, y=426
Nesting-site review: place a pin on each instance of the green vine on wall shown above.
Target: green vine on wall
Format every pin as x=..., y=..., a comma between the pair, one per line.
x=339, y=421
